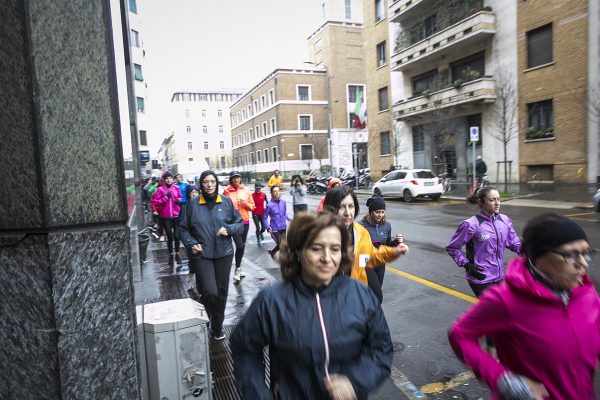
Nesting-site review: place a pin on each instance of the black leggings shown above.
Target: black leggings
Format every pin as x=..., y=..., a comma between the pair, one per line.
x=375, y=278
x=212, y=283
x=258, y=224
x=277, y=236
x=479, y=288
x=240, y=244
x=299, y=208
x=170, y=225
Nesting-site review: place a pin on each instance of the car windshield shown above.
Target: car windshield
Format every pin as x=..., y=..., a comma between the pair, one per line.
x=424, y=174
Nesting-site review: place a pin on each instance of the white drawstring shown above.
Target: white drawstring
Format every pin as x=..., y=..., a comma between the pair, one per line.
x=324, y=337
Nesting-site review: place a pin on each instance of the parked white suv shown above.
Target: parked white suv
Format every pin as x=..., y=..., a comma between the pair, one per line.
x=410, y=183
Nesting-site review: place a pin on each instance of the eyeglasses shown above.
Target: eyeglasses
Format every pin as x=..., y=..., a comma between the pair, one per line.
x=573, y=257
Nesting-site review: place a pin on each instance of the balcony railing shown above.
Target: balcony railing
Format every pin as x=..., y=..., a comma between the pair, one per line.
x=401, y=8
x=478, y=91
x=463, y=33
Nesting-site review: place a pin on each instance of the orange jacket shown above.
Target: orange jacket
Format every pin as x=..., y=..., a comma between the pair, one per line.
x=242, y=200
x=366, y=255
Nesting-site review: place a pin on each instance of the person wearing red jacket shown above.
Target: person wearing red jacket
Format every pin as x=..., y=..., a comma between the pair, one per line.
x=243, y=202
x=260, y=199
x=544, y=319
x=167, y=200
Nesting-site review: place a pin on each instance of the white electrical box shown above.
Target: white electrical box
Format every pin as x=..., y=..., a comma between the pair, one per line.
x=177, y=350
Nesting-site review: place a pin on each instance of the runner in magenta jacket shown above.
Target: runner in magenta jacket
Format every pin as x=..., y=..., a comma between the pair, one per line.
x=544, y=319
x=167, y=200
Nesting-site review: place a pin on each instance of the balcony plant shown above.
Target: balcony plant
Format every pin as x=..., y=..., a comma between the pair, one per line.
x=457, y=83
x=426, y=93
x=534, y=133
x=487, y=8
x=473, y=74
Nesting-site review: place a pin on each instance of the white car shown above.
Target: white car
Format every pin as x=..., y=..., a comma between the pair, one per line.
x=410, y=183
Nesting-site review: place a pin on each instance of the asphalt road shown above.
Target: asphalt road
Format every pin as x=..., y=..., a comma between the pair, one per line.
x=425, y=291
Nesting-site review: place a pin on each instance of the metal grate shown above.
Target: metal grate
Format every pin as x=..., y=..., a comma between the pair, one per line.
x=221, y=365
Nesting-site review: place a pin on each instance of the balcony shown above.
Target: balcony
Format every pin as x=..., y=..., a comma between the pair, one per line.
x=472, y=29
x=402, y=9
x=478, y=91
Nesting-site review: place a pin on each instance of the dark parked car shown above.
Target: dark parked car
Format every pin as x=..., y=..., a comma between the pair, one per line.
x=597, y=201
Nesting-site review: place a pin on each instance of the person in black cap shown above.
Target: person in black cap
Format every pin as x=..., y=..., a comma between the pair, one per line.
x=206, y=228
x=381, y=233
x=544, y=319
x=260, y=202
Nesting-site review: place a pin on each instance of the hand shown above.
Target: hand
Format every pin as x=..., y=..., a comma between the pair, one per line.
x=474, y=271
x=155, y=213
x=399, y=238
x=178, y=202
x=539, y=390
x=402, y=249
x=197, y=248
x=222, y=232
x=339, y=387
x=169, y=195
x=269, y=230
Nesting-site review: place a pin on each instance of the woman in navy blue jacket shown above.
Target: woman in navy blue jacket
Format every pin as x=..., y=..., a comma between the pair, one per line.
x=326, y=333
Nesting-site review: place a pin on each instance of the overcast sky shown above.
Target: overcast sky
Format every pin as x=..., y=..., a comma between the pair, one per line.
x=222, y=44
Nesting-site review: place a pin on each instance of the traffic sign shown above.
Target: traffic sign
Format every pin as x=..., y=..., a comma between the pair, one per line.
x=474, y=133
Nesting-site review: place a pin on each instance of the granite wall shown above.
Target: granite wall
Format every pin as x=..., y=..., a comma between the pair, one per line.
x=67, y=326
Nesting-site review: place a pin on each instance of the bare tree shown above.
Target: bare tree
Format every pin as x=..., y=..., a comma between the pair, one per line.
x=505, y=118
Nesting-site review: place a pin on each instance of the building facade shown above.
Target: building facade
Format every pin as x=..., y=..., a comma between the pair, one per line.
x=552, y=71
x=453, y=67
x=383, y=141
x=201, y=135
x=281, y=123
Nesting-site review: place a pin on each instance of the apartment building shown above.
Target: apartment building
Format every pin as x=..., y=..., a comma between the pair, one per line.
x=201, y=131
x=383, y=140
x=336, y=47
x=281, y=123
x=553, y=91
x=453, y=67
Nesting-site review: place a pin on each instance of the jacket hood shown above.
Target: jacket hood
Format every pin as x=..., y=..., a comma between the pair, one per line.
x=520, y=279
x=332, y=182
x=231, y=188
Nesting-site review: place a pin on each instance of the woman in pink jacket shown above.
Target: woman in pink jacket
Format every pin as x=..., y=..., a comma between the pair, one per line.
x=544, y=319
x=167, y=201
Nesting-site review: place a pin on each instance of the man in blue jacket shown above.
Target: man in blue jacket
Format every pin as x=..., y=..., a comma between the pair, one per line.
x=183, y=185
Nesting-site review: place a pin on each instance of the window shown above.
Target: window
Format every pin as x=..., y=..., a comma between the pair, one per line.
x=189, y=146
x=383, y=99
x=187, y=114
x=219, y=113
x=303, y=93
x=203, y=113
x=348, y=9
x=223, y=162
x=137, y=72
x=355, y=92
x=221, y=144
x=190, y=159
x=541, y=120
x=133, y=6
x=188, y=130
x=263, y=101
x=204, y=129
x=265, y=129
x=381, y=58
x=384, y=142
x=235, y=140
x=256, y=132
x=430, y=25
x=418, y=138
x=266, y=152
x=540, y=173
x=273, y=130
x=258, y=156
x=423, y=82
x=304, y=122
x=306, y=152
x=205, y=145
x=274, y=153
x=143, y=138
x=134, y=38
x=271, y=96
x=249, y=110
x=379, y=10
x=140, y=104
x=255, y=106
x=207, y=160
x=539, y=46
x=468, y=68
x=220, y=128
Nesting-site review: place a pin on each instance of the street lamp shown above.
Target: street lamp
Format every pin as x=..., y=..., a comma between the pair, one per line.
x=328, y=90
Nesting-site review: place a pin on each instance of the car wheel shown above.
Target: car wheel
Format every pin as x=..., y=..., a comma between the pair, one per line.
x=435, y=197
x=377, y=192
x=408, y=197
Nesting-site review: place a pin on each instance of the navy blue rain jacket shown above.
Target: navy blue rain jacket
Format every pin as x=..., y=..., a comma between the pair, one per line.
x=285, y=317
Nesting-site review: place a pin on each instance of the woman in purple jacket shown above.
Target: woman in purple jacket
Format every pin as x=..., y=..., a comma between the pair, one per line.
x=544, y=319
x=485, y=236
x=275, y=219
x=167, y=200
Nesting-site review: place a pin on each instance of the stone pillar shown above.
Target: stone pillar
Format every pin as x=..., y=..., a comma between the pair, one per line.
x=67, y=326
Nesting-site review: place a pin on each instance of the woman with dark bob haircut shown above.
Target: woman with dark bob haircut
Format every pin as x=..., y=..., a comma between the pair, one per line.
x=544, y=319
x=326, y=333
x=343, y=202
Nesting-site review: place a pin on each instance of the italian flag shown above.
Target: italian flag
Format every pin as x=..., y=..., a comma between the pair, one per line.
x=360, y=112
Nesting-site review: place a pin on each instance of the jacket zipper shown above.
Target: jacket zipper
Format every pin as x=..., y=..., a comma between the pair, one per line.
x=324, y=331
